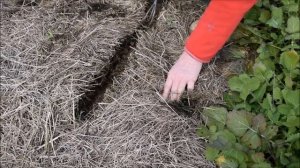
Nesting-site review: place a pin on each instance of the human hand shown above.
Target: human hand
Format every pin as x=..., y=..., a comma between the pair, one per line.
x=184, y=73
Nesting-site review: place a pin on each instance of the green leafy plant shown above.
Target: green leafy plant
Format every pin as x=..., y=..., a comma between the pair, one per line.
x=236, y=138
x=262, y=127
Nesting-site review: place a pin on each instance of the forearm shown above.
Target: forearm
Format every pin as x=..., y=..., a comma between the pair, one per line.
x=215, y=27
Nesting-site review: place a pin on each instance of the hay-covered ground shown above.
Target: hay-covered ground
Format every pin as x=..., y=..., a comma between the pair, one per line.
x=51, y=53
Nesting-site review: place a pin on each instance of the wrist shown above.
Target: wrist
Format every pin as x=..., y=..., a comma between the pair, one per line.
x=187, y=52
x=188, y=61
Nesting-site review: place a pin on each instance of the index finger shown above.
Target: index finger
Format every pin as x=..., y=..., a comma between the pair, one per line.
x=167, y=88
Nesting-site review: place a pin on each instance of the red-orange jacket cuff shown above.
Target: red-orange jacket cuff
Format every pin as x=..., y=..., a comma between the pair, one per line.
x=215, y=27
x=193, y=56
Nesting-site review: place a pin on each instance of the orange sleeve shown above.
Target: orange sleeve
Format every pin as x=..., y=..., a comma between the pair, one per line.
x=215, y=27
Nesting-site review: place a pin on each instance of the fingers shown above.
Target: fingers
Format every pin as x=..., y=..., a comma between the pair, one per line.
x=190, y=85
x=174, y=90
x=167, y=88
x=180, y=89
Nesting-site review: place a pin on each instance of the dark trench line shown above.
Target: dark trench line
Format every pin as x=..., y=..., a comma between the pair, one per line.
x=117, y=64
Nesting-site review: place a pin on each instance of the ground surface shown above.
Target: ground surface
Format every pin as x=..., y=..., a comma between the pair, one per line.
x=80, y=84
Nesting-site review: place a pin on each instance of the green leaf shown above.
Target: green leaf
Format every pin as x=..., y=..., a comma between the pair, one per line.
x=213, y=129
x=276, y=20
x=222, y=140
x=273, y=50
x=211, y=153
x=231, y=98
x=268, y=103
x=265, y=15
x=255, y=31
x=277, y=93
x=259, y=123
x=284, y=109
x=263, y=70
x=286, y=2
x=263, y=51
x=253, y=14
x=235, y=154
x=238, y=122
x=258, y=157
x=226, y=162
x=274, y=36
x=292, y=7
x=283, y=159
x=291, y=97
x=289, y=59
x=293, y=138
x=243, y=106
x=239, y=33
x=244, y=84
x=215, y=116
x=50, y=35
x=203, y=132
x=273, y=116
x=293, y=25
x=294, y=36
x=295, y=73
x=292, y=46
x=266, y=3
x=296, y=111
x=259, y=94
x=270, y=132
x=297, y=145
x=292, y=121
x=294, y=164
x=243, y=165
x=261, y=165
x=251, y=139
x=241, y=147
x=250, y=85
x=235, y=84
x=259, y=68
x=288, y=82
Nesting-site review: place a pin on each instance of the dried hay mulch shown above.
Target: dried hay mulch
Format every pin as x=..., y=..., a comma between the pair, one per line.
x=49, y=58
x=133, y=126
x=50, y=53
